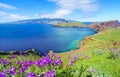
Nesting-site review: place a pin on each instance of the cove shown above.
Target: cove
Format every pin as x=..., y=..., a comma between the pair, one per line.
x=42, y=37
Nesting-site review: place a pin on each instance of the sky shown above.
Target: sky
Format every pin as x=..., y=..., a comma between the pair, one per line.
x=80, y=10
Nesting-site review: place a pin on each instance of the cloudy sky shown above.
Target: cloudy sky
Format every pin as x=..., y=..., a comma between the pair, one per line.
x=81, y=10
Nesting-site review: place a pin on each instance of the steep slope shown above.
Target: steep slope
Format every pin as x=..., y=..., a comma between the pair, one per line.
x=101, y=26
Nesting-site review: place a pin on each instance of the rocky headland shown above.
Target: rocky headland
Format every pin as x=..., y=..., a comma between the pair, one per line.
x=102, y=26
x=69, y=24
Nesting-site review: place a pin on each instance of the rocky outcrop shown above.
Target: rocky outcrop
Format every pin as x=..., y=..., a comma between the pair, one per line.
x=101, y=26
x=90, y=38
x=80, y=44
x=28, y=52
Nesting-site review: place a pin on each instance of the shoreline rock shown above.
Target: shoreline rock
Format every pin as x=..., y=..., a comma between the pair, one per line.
x=28, y=52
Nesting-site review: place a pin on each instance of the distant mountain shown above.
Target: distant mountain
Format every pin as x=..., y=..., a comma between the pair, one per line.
x=40, y=21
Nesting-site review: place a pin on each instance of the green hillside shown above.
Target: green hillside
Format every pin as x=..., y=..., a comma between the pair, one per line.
x=69, y=24
x=102, y=53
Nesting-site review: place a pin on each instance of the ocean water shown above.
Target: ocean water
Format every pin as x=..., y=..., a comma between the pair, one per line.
x=88, y=23
x=42, y=37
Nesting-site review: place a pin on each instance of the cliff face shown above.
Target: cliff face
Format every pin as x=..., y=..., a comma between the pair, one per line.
x=104, y=25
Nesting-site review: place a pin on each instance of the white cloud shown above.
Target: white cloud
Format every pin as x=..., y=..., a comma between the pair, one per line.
x=5, y=6
x=11, y=16
x=17, y=16
x=2, y=13
x=67, y=7
x=58, y=14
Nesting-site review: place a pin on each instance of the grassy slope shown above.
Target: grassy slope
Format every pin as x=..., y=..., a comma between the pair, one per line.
x=70, y=24
x=99, y=53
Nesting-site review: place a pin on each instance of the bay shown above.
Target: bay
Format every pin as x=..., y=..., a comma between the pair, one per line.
x=42, y=37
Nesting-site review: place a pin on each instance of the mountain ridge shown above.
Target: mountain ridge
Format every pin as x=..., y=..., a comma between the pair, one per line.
x=40, y=21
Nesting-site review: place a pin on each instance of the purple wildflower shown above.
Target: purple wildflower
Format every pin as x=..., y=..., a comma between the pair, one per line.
x=29, y=63
x=23, y=69
x=2, y=74
x=44, y=61
x=112, y=53
x=48, y=60
x=13, y=56
x=58, y=62
x=31, y=74
x=53, y=55
x=36, y=63
x=12, y=71
x=112, y=49
x=39, y=63
x=18, y=62
x=4, y=71
x=86, y=57
x=68, y=57
x=42, y=75
x=50, y=73
x=20, y=53
x=70, y=62
x=21, y=63
x=75, y=58
x=4, y=62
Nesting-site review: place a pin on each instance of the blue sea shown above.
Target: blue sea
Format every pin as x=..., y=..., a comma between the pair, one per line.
x=42, y=37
